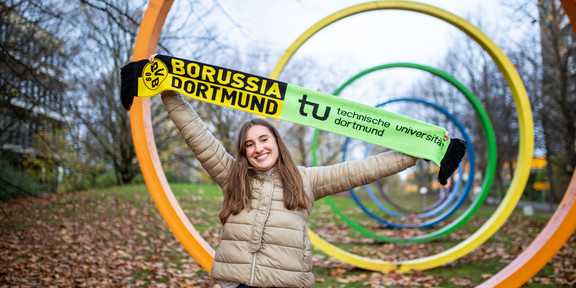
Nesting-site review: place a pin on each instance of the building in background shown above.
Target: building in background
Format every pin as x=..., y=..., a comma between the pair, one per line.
x=31, y=89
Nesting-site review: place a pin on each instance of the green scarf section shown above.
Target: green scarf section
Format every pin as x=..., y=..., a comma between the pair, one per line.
x=275, y=99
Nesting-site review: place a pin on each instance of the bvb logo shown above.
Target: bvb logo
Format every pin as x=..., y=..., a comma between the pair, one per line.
x=154, y=74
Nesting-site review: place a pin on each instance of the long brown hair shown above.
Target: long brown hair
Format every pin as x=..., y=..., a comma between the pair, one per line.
x=238, y=190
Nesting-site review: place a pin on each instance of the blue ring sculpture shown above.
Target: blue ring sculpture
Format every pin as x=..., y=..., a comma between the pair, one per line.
x=447, y=213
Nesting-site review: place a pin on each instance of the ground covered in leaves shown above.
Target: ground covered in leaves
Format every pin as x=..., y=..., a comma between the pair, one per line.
x=117, y=238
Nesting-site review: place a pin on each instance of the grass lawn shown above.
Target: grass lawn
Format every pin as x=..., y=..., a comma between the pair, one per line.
x=116, y=237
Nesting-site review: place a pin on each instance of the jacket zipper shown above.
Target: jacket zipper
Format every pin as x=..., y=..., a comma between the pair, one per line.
x=253, y=270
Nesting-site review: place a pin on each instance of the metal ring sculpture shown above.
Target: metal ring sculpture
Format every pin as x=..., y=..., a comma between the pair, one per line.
x=451, y=192
x=524, y=267
x=490, y=139
x=448, y=197
x=431, y=222
x=445, y=201
x=419, y=239
x=526, y=135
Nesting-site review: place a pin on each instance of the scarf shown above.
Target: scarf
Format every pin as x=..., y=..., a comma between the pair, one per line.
x=275, y=99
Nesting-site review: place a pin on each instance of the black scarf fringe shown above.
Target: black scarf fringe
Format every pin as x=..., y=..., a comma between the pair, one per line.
x=129, y=82
x=454, y=154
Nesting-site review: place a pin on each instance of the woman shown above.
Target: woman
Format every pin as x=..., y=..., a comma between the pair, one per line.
x=267, y=198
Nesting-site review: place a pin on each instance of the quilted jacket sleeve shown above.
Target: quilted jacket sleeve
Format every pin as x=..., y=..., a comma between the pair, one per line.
x=329, y=180
x=208, y=150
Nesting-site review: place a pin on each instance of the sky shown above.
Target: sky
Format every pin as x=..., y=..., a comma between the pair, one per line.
x=354, y=43
x=391, y=34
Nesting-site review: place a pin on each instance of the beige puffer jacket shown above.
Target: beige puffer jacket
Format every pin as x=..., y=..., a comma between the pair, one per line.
x=269, y=246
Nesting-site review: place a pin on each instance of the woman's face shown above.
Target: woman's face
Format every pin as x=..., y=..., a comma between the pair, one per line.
x=261, y=148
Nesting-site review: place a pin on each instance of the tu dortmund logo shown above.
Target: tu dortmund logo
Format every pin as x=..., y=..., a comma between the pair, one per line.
x=304, y=102
x=154, y=74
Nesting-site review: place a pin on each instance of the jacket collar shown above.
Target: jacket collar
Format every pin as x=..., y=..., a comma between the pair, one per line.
x=269, y=172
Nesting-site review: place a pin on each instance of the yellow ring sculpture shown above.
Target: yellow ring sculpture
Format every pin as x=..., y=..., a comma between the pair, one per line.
x=526, y=137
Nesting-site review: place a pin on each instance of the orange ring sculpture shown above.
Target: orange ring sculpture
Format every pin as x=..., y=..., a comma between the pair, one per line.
x=524, y=267
x=146, y=152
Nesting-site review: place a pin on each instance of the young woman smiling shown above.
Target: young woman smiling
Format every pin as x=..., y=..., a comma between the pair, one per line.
x=268, y=198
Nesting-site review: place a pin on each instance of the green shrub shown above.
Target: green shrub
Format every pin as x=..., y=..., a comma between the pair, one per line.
x=16, y=183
